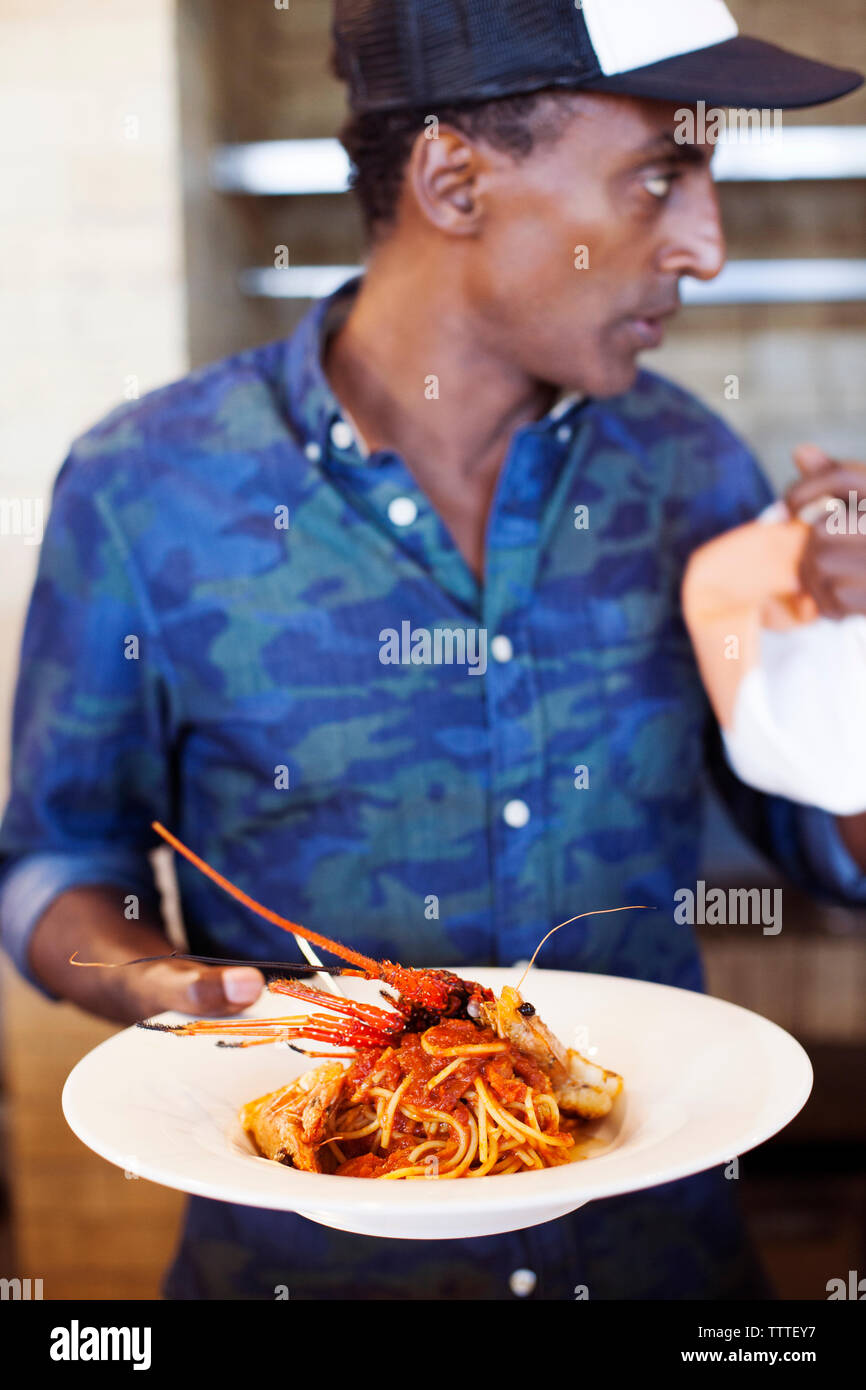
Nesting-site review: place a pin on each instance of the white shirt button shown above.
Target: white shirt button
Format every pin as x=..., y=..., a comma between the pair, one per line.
x=516, y=814
x=342, y=436
x=522, y=1282
x=501, y=648
x=402, y=511
x=563, y=434
x=313, y=451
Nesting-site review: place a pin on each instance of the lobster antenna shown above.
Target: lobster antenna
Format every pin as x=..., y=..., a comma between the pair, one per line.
x=364, y=963
x=597, y=912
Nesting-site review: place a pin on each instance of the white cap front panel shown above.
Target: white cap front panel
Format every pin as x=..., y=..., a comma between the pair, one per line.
x=629, y=34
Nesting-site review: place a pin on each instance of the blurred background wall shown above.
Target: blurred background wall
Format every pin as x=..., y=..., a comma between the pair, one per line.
x=122, y=266
x=92, y=289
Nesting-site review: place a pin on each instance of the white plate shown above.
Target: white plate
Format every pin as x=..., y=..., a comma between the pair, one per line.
x=704, y=1082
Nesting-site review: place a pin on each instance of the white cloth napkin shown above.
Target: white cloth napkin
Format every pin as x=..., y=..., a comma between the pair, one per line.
x=799, y=726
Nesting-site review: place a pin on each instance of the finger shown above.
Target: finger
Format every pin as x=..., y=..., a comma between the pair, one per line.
x=817, y=584
x=810, y=458
x=827, y=603
x=779, y=615
x=202, y=989
x=824, y=595
x=804, y=608
x=837, y=481
x=851, y=598
x=836, y=555
x=223, y=990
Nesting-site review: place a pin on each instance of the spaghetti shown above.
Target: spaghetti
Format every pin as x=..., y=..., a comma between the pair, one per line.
x=454, y=1101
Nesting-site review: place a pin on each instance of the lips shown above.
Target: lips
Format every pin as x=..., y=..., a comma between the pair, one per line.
x=648, y=330
x=646, y=333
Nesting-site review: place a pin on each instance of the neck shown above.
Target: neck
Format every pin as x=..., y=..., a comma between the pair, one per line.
x=417, y=371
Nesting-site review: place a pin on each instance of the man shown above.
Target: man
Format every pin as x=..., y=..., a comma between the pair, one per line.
x=460, y=441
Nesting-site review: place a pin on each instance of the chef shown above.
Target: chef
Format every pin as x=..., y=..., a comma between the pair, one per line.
x=430, y=430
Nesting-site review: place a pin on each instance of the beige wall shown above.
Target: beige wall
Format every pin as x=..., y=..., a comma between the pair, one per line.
x=91, y=271
x=92, y=292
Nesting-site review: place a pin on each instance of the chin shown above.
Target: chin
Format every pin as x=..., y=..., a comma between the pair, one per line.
x=611, y=378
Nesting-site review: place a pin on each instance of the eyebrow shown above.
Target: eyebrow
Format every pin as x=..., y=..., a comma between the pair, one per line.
x=664, y=144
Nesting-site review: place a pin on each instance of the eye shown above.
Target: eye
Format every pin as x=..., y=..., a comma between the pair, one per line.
x=659, y=185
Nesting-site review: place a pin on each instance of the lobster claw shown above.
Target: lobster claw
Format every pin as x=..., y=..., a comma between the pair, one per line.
x=349, y=1023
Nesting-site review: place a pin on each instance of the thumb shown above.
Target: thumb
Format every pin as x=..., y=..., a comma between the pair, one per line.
x=203, y=989
x=811, y=459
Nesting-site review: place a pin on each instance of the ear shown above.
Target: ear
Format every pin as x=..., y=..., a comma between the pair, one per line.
x=444, y=175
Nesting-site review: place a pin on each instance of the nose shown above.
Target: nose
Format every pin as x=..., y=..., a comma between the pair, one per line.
x=695, y=240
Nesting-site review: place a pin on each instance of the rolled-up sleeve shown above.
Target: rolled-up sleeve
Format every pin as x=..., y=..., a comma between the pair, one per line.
x=31, y=884
x=90, y=742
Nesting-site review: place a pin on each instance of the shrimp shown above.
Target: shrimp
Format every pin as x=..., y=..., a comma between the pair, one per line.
x=288, y=1125
x=580, y=1087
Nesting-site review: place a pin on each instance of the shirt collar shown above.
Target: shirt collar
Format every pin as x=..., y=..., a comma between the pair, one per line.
x=313, y=408
x=323, y=423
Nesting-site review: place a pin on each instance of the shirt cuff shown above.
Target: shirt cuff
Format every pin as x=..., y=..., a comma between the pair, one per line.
x=828, y=856
x=30, y=885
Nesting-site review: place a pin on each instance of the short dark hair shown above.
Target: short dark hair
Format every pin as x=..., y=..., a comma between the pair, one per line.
x=379, y=143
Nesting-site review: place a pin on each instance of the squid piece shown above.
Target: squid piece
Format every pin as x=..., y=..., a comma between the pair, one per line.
x=588, y=1090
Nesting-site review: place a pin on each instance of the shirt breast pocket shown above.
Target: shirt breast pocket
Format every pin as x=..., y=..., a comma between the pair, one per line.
x=655, y=703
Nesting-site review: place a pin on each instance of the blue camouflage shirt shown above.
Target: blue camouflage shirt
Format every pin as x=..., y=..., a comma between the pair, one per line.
x=249, y=628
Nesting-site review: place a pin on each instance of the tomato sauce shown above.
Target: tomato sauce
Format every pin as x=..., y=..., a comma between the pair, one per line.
x=507, y=1071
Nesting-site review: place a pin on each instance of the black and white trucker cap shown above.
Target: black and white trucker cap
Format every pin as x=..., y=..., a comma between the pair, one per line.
x=415, y=53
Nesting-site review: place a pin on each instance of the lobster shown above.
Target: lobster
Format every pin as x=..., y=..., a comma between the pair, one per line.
x=421, y=999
